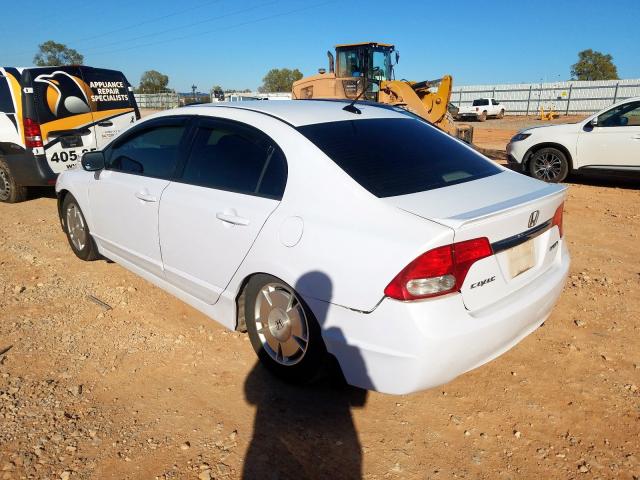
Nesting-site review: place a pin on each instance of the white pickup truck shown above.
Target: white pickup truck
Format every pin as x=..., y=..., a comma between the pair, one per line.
x=481, y=109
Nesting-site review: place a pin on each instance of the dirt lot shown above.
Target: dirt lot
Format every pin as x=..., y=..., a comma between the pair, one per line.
x=153, y=389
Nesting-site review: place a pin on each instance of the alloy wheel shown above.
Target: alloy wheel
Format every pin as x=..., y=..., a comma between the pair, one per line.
x=547, y=166
x=281, y=324
x=5, y=186
x=76, y=227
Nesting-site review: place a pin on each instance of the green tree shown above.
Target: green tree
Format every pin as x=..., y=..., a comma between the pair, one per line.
x=153, y=81
x=279, y=80
x=594, y=65
x=52, y=54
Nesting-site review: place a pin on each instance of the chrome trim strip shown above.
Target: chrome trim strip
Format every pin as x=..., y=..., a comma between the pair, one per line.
x=514, y=241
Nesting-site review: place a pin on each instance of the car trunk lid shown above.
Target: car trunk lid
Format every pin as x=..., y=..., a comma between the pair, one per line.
x=514, y=212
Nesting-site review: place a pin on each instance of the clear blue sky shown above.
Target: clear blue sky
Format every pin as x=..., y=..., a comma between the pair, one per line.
x=234, y=43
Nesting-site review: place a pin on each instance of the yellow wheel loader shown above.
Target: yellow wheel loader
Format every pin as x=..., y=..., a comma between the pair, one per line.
x=365, y=70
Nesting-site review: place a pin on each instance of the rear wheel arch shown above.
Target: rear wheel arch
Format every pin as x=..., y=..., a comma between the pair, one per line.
x=61, y=195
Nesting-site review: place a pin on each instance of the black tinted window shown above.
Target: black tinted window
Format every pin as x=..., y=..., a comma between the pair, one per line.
x=236, y=158
x=6, y=102
x=480, y=102
x=153, y=152
x=392, y=157
x=109, y=89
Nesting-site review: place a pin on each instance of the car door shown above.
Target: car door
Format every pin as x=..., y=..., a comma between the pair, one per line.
x=62, y=104
x=125, y=196
x=112, y=103
x=210, y=216
x=614, y=142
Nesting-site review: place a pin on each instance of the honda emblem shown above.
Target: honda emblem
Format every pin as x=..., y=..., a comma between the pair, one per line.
x=533, y=218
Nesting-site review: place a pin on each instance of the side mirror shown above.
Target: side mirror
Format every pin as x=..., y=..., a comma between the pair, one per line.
x=594, y=122
x=93, y=161
x=397, y=57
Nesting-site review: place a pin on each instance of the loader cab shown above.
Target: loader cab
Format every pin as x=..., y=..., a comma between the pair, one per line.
x=364, y=63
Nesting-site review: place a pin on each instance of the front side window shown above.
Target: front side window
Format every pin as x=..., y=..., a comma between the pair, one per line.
x=397, y=156
x=621, y=116
x=236, y=158
x=152, y=152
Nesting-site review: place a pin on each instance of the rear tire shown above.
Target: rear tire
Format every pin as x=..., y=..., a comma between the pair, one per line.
x=482, y=117
x=549, y=165
x=283, y=331
x=10, y=192
x=77, y=230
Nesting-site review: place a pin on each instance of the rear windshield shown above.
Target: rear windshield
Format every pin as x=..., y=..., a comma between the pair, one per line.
x=397, y=156
x=480, y=102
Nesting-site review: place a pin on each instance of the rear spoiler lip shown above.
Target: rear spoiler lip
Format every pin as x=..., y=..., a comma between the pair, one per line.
x=458, y=221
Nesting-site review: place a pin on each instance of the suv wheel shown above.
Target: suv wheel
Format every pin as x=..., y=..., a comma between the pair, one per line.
x=10, y=192
x=77, y=230
x=283, y=331
x=501, y=114
x=549, y=165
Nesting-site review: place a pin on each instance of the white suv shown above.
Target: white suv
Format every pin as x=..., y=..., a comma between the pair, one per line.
x=606, y=141
x=321, y=227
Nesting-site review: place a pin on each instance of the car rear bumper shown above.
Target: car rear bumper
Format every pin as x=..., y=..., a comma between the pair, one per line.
x=403, y=347
x=30, y=170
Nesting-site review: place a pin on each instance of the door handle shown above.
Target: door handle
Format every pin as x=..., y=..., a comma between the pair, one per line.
x=145, y=196
x=636, y=137
x=232, y=219
x=106, y=123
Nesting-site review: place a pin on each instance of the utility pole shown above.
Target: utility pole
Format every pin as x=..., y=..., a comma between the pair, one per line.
x=194, y=88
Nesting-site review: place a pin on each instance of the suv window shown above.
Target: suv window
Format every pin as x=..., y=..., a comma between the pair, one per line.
x=236, y=158
x=495, y=102
x=152, y=152
x=624, y=115
x=6, y=102
x=397, y=156
x=480, y=102
x=109, y=89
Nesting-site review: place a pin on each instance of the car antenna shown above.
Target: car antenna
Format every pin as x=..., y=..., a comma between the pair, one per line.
x=351, y=108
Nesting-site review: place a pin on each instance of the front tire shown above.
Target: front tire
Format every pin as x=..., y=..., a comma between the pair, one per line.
x=10, y=192
x=501, y=114
x=77, y=230
x=283, y=331
x=549, y=165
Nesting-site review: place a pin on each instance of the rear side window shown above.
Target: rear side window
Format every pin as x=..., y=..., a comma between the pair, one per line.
x=397, y=156
x=59, y=92
x=6, y=102
x=480, y=102
x=109, y=89
x=236, y=158
x=153, y=152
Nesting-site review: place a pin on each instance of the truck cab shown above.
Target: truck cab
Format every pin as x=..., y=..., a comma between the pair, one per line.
x=481, y=109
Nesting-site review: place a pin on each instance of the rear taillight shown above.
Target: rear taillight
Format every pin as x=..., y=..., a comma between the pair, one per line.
x=32, y=134
x=439, y=271
x=557, y=218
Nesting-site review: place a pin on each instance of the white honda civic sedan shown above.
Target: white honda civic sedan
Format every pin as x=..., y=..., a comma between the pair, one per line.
x=325, y=229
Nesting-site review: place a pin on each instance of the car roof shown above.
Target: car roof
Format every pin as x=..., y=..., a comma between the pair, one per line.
x=306, y=112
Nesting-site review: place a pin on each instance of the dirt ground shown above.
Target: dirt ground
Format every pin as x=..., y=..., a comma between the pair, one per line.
x=150, y=388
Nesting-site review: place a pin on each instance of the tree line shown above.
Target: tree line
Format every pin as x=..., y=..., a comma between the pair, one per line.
x=591, y=65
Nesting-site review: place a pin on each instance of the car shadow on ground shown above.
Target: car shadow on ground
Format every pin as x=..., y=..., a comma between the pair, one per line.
x=630, y=181
x=307, y=431
x=35, y=193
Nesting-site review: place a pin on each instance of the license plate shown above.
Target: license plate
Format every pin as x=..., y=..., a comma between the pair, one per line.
x=521, y=258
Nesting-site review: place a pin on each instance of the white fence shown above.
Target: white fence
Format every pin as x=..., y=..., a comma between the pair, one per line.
x=570, y=97
x=158, y=101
